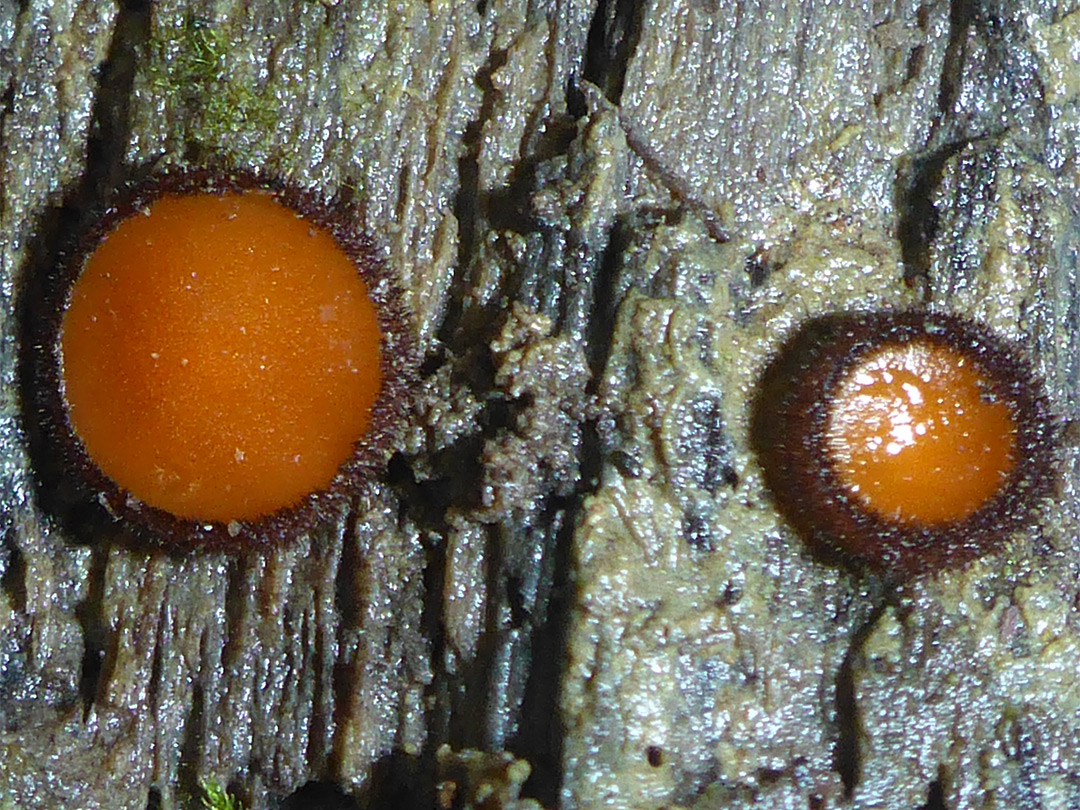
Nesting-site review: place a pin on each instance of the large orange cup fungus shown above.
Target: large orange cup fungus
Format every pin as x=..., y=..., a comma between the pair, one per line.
x=220, y=356
x=907, y=441
x=221, y=359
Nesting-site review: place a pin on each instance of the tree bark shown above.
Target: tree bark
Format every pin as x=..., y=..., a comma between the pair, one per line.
x=604, y=219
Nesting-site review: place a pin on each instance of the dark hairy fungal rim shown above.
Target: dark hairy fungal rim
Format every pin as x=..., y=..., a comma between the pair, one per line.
x=788, y=434
x=86, y=501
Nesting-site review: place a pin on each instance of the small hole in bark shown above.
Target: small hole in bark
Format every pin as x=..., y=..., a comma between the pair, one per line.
x=432, y=362
x=731, y=595
x=757, y=269
x=655, y=755
x=729, y=476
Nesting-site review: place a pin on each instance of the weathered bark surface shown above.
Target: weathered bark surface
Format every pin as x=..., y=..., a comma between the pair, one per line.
x=129, y=677
x=604, y=218
x=841, y=156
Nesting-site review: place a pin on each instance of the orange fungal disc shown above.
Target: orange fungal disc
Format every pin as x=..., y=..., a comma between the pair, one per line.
x=905, y=440
x=221, y=360
x=914, y=436
x=220, y=356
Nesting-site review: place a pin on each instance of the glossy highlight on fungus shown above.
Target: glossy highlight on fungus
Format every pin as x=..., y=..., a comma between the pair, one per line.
x=220, y=356
x=905, y=440
x=219, y=361
x=915, y=436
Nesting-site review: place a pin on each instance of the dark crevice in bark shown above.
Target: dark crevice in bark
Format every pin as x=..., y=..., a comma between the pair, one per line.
x=236, y=618
x=918, y=216
x=498, y=689
x=425, y=502
x=12, y=571
x=613, y=39
x=192, y=743
x=321, y=796
x=847, y=759
x=601, y=326
x=589, y=275
x=452, y=479
x=345, y=601
x=347, y=605
x=110, y=130
x=915, y=187
x=506, y=696
x=397, y=781
x=961, y=18
x=59, y=231
x=235, y=613
x=935, y=797
x=485, y=702
x=322, y=695
x=916, y=59
x=989, y=86
x=7, y=107
x=504, y=209
x=437, y=694
x=539, y=739
x=95, y=628
x=161, y=638
x=455, y=711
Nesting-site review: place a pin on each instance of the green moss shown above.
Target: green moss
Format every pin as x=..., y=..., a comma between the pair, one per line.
x=192, y=70
x=215, y=797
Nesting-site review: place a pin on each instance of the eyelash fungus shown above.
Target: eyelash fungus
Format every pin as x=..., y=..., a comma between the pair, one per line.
x=904, y=441
x=220, y=363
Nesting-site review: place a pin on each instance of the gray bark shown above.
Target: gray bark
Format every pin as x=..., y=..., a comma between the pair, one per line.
x=604, y=219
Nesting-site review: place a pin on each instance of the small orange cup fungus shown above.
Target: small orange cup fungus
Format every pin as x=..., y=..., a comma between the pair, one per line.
x=223, y=359
x=908, y=441
x=914, y=434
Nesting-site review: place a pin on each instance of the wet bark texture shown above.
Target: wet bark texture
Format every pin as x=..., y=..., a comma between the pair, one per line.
x=604, y=217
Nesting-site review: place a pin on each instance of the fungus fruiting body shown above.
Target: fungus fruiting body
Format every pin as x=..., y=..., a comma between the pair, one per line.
x=224, y=361
x=908, y=441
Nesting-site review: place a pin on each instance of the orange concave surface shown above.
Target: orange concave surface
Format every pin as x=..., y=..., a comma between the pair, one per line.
x=220, y=356
x=914, y=437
